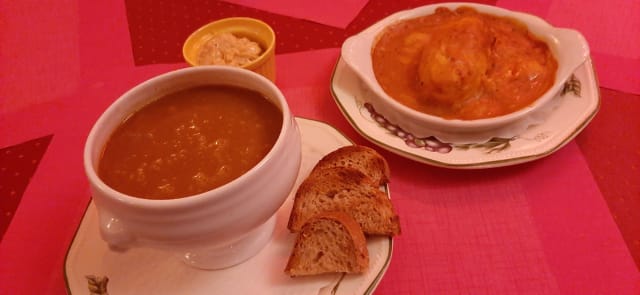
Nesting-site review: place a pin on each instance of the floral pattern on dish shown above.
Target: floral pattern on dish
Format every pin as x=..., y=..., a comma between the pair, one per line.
x=432, y=144
x=573, y=107
x=97, y=284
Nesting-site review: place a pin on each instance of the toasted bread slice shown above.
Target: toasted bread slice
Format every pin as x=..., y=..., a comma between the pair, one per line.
x=329, y=242
x=349, y=190
x=363, y=158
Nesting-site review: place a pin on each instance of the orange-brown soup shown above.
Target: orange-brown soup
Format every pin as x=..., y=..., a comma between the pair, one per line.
x=463, y=64
x=189, y=142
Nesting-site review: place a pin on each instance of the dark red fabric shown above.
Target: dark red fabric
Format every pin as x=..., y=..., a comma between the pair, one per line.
x=18, y=163
x=608, y=154
x=159, y=28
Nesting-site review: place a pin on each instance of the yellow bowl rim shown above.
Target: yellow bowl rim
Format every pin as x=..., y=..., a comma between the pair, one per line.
x=249, y=66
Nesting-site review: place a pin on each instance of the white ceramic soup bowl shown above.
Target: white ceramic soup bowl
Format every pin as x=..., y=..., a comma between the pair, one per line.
x=212, y=230
x=568, y=47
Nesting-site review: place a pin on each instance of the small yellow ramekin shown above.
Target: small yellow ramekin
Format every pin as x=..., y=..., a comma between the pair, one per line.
x=250, y=28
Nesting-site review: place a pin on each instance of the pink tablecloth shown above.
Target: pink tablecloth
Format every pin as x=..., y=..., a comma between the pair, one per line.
x=537, y=228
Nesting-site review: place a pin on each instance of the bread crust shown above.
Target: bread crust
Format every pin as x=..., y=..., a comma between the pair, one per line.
x=345, y=187
x=341, y=222
x=349, y=190
x=360, y=157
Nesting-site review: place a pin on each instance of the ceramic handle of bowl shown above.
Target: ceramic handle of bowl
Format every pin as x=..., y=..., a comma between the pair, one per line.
x=114, y=231
x=575, y=48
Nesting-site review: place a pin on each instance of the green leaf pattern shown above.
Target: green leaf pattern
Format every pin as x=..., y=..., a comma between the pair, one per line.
x=97, y=285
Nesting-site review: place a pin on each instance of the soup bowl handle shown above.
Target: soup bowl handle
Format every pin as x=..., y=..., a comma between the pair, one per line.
x=114, y=231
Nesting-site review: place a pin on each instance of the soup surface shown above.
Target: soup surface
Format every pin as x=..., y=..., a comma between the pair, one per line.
x=463, y=64
x=189, y=142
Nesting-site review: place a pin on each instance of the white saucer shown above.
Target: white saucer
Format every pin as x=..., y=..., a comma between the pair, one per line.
x=147, y=271
x=574, y=111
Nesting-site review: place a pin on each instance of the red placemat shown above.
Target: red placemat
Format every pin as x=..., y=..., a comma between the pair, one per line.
x=331, y=14
x=530, y=228
x=93, y=52
x=614, y=158
x=17, y=165
x=159, y=28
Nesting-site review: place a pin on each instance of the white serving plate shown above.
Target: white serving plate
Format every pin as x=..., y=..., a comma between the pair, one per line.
x=568, y=46
x=572, y=112
x=147, y=271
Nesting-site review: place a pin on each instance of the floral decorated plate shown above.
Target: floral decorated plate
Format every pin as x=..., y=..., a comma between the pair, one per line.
x=573, y=109
x=92, y=268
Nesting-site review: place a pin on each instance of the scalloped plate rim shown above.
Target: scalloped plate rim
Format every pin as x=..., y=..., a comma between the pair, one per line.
x=427, y=157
